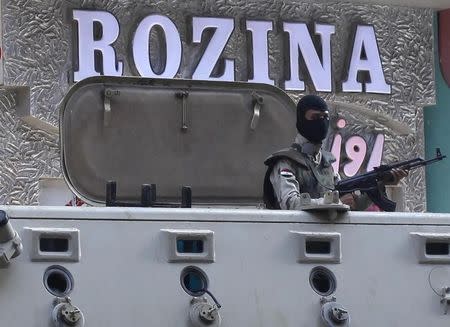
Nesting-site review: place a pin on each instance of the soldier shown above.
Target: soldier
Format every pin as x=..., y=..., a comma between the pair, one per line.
x=305, y=167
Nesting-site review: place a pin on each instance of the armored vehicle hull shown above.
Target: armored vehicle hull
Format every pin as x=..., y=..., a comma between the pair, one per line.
x=139, y=266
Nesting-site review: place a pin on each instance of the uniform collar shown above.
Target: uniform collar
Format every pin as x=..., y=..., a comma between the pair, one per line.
x=312, y=149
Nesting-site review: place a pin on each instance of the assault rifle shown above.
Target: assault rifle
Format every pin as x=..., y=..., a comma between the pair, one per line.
x=372, y=184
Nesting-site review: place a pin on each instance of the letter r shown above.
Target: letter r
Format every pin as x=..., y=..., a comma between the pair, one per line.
x=87, y=45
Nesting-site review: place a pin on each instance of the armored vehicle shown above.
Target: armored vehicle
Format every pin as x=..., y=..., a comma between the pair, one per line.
x=177, y=236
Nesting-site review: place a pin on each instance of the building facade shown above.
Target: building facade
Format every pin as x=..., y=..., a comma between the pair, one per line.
x=373, y=63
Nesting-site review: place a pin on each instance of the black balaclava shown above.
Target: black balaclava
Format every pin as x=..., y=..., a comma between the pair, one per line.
x=313, y=130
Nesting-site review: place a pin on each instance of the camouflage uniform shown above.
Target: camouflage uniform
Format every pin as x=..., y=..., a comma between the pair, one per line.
x=291, y=172
x=302, y=168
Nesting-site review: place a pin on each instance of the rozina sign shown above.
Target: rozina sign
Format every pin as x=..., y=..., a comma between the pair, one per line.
x=365, y=56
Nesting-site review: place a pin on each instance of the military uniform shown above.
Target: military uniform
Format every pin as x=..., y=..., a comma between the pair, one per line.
x=302, y=168
x=305, y=167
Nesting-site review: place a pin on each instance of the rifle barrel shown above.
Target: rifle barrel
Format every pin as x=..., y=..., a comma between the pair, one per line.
x=424, y=162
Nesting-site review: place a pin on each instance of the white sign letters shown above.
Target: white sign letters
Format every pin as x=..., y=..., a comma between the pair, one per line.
x=365, y=39
x=301, y=40
x=223, y=29
x=259, y=30
x=87, y=45
x=365, y=56
x=141, y=49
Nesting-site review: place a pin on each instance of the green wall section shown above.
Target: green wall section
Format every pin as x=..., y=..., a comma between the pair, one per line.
x=437, y=134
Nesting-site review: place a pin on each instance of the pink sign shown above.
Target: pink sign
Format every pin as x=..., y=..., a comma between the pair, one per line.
x=356, y=150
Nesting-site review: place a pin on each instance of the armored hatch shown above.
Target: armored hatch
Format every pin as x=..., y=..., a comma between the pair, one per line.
x=212, y=136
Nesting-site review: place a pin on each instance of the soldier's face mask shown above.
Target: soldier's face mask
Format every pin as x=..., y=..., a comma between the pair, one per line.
x=314, y=125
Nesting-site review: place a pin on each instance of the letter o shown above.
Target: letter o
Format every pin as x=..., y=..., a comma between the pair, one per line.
x=141, y=50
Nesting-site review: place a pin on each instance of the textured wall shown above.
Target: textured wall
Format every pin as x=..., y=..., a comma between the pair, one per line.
x=38, y=53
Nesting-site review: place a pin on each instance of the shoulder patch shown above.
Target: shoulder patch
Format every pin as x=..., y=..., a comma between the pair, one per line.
x=288, y=153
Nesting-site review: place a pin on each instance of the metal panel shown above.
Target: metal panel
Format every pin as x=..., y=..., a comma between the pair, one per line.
x=137, y=137
x=222, y=215
x=124, y=273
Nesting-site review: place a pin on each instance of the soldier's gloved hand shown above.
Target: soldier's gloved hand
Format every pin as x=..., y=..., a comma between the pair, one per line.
x=395, y=176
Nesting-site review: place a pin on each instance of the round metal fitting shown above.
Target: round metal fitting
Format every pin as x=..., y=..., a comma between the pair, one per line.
x=339, y=314
x=202, y=314
x=208, y=313
x=334, y=314
x=70, y=314
x=65, y=314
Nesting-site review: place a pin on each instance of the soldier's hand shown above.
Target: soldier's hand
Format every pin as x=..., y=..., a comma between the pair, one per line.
x=349, y=200
x=395, y=176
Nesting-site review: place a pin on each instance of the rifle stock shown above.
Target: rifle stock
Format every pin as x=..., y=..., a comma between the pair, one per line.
x=381, y=200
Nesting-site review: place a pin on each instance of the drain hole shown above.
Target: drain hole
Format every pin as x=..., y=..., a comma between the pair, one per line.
x=322, y=281
x=194, y=281
x=58, y=281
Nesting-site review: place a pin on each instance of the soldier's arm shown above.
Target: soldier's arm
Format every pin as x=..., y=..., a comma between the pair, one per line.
x=286, y=186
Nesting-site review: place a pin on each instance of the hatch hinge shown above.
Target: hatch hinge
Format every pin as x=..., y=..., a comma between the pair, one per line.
x=257, y=103
x=183, y=96
x=109, y=93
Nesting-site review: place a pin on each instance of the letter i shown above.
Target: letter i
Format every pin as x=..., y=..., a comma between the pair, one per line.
x=337, y=143
x=377, y=153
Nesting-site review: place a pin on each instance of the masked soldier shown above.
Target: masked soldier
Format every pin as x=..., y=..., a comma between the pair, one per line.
x=305, y=167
